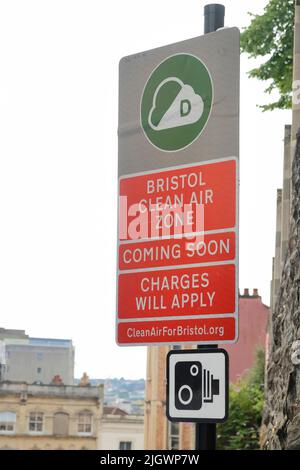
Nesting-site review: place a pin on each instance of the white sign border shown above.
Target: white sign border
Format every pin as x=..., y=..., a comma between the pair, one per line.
x=170, y=386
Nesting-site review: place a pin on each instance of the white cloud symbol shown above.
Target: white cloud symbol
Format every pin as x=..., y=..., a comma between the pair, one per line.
x=187, y=108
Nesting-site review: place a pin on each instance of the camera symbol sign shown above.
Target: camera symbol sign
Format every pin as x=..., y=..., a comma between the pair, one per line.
x=197, y=385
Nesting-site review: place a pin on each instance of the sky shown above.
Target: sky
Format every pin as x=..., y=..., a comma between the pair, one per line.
x=58, y=165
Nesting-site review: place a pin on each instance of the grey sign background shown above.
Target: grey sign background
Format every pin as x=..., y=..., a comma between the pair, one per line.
x=220, y=52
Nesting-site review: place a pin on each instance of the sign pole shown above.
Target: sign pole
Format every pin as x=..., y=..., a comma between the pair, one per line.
x=206, y=434
x=214, y=15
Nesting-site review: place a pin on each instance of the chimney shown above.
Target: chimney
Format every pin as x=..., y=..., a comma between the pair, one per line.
x=246, y=292
x=255, y=293
x=57, y=380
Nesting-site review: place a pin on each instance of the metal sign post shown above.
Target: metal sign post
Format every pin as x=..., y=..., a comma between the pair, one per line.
x=206, y=433
x=214, y=15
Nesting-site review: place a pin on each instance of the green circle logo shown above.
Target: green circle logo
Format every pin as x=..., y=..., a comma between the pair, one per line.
x=176, y=102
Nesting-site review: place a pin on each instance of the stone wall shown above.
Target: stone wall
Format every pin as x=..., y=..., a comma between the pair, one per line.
x=281, y=420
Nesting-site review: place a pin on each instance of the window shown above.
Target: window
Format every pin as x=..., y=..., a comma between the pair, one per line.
x=85, y=422
x=125, y=445
x=174, y=436
x=61, y=424
x=39, y=370
x=7, y=422
x=36, y=422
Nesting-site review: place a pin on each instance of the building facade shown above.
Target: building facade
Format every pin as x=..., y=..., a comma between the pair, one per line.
x=254, y=317
x=160, y=434
x=35, y=360
x=120, y=430
x=49, y=417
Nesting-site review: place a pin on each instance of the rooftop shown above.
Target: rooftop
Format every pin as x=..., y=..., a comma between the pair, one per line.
x=246, y=293
x=67, y=391
x=50, y=342
x=16, y=334
x=19, y=337
x=113, y=415
x=113, y=410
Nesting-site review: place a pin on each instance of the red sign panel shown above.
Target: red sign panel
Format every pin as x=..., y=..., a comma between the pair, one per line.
x=177, y=292
x=178, y=331
x=177, y=279
x=177, y=251
x=211, y=186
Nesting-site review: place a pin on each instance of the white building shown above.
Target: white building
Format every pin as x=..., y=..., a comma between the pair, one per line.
x=35, y=360
x=121, y=431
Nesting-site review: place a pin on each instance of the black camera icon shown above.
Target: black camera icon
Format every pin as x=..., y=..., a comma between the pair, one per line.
x=194, y=385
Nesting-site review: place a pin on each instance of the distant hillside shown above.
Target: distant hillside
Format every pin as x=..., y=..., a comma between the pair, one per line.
x=126, y=394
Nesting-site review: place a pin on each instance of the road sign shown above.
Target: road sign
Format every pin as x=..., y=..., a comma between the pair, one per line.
x=197, y=385
x=178, y=193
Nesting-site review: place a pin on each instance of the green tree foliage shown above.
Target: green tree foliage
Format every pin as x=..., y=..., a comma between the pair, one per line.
x=256, y=375
x=271, y=35
x=246, y=398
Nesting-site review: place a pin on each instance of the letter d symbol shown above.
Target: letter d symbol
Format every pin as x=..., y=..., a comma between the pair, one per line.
x=185, y=107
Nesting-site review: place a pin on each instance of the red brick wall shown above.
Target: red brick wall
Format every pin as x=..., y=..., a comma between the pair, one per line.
x=253, y=321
